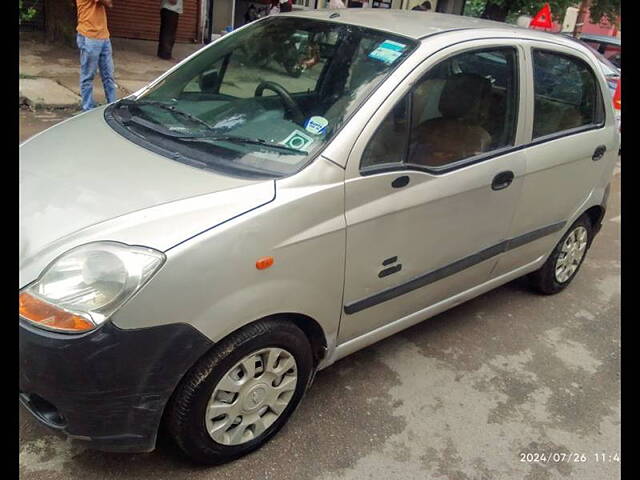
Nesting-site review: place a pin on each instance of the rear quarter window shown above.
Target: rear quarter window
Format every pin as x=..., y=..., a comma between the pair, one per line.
x=567, y=94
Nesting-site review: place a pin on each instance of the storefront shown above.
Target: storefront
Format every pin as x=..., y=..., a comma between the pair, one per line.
x=230, y=13
x=203, y=18
x=140, y=19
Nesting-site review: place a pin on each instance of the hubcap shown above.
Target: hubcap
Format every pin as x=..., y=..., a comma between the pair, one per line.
x=571, y=254
x=251, y=396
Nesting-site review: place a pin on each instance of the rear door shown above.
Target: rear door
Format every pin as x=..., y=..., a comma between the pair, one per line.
x=571, y=145
x=432, y=184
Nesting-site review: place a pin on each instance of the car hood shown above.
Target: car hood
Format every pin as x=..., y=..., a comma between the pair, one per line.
x=80, y=181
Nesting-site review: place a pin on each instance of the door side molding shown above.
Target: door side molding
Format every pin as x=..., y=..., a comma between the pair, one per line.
x=455, y=267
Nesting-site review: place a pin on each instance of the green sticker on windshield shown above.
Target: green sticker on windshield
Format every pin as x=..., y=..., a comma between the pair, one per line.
x=297, y=140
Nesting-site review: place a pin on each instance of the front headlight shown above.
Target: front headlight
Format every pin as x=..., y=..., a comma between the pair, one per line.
x=81, y=288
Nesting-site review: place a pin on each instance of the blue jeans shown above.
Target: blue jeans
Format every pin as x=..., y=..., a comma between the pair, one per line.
x=94, y=54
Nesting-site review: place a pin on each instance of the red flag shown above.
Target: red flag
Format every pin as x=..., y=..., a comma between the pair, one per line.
x=617, y=98
x=542, y=18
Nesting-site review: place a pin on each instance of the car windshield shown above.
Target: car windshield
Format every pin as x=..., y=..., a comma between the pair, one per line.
x=264, y=100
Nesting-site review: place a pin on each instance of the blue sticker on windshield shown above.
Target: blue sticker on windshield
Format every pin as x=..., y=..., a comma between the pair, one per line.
x=388, y=51
x=316, y=125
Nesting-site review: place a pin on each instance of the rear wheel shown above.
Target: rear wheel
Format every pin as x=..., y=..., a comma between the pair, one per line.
x=241, y=393
x=565, y=260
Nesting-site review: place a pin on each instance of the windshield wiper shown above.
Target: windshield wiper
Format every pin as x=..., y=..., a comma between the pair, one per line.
x=240, y=140
x=208, y=138
x=169, y=108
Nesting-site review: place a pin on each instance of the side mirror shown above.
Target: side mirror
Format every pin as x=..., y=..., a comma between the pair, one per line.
x=209, y=82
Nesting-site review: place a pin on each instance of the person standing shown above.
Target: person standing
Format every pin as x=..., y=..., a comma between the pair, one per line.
x=169, y=14
x=251, y=14
x=95, y=50
x=274, y=7
x=285, y=6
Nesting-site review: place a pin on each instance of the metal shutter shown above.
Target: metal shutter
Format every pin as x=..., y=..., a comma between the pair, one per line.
x=141, y=19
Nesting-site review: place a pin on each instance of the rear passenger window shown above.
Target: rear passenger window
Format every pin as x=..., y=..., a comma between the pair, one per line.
x=567, y=94
x=463, y=107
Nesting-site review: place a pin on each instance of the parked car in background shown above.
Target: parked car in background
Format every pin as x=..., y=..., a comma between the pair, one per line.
x=610, y=70
x=610, y=47
x=193, y=254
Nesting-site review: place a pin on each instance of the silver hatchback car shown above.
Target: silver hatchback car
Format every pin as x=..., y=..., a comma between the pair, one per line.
x=299, y=189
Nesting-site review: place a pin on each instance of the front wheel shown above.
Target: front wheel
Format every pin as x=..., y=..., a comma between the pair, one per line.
x=241, y=393
x=565, y=260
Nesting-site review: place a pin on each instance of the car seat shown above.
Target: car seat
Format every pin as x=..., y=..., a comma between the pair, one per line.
x=459, y=132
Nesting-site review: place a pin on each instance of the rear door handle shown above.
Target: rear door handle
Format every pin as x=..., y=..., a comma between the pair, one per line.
x=599, y=153
x=502, y=180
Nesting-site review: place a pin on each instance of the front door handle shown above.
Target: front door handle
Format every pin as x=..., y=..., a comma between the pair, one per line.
x=502, y=180
x=599, y=153
x=400, y=182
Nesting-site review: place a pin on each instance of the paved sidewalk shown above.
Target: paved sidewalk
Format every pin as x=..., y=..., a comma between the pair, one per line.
x=49, y=73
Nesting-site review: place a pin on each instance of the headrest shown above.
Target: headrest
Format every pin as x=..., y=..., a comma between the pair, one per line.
x=462, y=93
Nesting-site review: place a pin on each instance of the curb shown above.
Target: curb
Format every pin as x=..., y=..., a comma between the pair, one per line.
x=46, y=93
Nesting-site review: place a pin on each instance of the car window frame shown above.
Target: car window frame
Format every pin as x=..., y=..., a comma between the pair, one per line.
x=413, y=78
x=586, y=56
x=570, y=131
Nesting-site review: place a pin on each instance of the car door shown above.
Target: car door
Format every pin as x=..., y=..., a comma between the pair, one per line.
x=432, y=184
x=571, y=147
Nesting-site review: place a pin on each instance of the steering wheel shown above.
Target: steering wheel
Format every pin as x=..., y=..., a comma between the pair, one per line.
x=289, y=103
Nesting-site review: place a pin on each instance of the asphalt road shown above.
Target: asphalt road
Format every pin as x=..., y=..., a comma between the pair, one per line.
x=465, y=395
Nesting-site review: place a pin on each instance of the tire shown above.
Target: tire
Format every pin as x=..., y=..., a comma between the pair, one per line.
x=546, y=280
x=293, y=69
x=255, y=344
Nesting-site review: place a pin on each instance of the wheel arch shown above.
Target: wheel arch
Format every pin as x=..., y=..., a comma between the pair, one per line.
x=595, y=214
x=309, y=326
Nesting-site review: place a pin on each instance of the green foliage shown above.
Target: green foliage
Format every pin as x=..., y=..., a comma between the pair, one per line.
x=605, y=9
x=474, y=8
x=26, y=13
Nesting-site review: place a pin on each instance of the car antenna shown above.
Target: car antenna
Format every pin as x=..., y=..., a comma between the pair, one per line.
x=334, y=15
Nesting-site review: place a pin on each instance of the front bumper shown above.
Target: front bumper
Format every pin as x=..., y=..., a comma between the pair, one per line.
x=108, y=387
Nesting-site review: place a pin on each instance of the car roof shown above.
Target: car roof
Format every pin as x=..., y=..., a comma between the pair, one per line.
x=414, y=24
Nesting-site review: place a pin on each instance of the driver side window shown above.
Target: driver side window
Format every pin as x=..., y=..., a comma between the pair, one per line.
x=464, y=106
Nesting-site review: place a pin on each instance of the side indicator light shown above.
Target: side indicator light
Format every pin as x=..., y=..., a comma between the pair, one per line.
x=264, y=262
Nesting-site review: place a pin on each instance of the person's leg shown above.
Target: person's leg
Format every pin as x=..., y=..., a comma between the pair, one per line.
x=89, y=56
x=171, y=29
x=106, y=72
x=161, y=49
x=164, y=41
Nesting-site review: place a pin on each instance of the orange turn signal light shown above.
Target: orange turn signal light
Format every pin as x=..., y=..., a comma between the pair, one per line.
x=47, y=315
x=264, y=262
